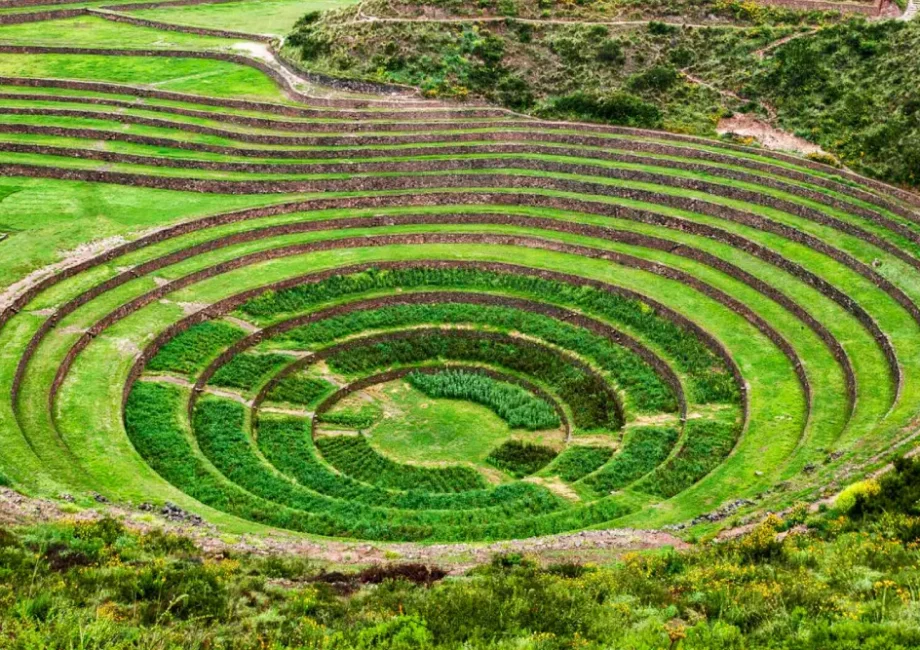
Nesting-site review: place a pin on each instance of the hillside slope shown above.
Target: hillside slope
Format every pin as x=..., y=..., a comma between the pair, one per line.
x=845, y=86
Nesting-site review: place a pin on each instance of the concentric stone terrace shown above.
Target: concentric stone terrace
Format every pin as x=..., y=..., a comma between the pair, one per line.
x=615, y=327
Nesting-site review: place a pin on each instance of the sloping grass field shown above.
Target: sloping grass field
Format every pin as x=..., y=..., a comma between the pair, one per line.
x=220, y=290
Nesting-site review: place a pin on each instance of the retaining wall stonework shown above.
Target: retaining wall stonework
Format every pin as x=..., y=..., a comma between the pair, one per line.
x=884, y=188
x=564, y=185
x=40, y=16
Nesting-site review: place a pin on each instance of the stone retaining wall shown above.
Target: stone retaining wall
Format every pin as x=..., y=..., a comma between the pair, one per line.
x=40, y=16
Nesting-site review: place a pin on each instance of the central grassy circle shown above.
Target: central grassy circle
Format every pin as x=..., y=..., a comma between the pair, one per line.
x=416, y=428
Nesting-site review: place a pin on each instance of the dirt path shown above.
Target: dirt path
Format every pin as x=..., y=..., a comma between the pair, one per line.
x=184, y=383
x=913, y=8
x=762, y=52
x=767, y=134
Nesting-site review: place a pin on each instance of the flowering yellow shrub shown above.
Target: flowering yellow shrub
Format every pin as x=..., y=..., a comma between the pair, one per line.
x=847, y=499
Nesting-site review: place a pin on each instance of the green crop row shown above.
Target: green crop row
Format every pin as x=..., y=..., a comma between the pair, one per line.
x=152, y=422
x=247, y=371
x=706, y=444
x=577, y=461
x=354, y=457
x=353, y=418
x=516, y=406
x=587, y=395
x=644, y=448
x=644, y=388
x=189, y=352
x=297, y=389
x=710, y=379
x=286, y=443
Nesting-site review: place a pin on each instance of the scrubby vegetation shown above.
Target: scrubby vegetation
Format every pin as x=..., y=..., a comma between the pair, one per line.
x=798, y=582
x=847, y=87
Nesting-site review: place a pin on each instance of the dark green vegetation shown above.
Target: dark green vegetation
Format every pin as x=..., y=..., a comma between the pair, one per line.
x=706, y=443
x=643, y=450
x=521, y=458
x=190, y=351
x=593, y=407
x=359, y=418
x=354, y=457
x=305, y=391
x=513, y=404
x=578, y=461
x=841, y=580
x=850, y=87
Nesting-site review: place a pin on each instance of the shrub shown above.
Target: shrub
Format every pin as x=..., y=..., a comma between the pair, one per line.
x=898, y=491
x=611, y=51
x=657, y=79
x=864, y=490
x=521, y=458
x=616, y=108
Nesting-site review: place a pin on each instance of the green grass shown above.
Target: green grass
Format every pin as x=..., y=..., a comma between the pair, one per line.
x=423, y=429
x=255, y=16
x=195, y=76
x=89, y=31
